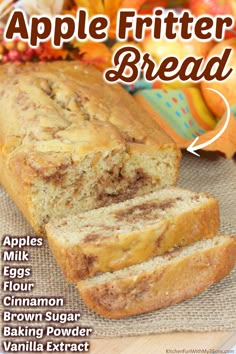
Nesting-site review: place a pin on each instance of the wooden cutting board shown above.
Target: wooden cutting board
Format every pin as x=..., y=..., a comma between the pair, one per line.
x=165, y=343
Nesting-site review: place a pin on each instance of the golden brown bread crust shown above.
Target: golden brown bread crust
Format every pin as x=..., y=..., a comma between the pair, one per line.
x=105, y=254
x=58, y=116
x=166, y=286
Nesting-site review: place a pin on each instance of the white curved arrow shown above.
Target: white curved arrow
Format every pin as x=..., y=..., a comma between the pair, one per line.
x=193, y=147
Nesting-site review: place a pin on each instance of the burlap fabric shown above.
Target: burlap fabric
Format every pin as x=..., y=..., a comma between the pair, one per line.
x=213, y=310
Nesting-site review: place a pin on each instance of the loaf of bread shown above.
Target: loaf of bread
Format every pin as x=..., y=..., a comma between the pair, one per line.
x=69, y=142
x=130, y=232
x=162, y=281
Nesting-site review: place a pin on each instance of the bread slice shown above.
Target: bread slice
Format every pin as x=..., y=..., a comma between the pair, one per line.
x=131, y=232
x=71, y=142
x=162, y=281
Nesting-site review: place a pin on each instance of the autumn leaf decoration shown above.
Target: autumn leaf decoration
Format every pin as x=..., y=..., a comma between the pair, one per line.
x=5, y=8
x=99, y=54
x=109, y=8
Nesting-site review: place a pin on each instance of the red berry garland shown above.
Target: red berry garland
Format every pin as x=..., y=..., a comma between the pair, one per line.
x=15, y=51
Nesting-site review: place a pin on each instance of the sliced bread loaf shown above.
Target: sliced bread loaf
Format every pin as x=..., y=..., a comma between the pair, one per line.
x=161, y=281
x=131, y=232
x=72, y=143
